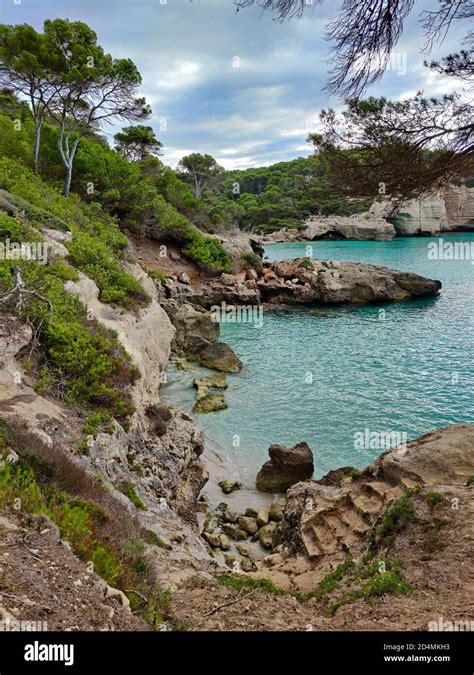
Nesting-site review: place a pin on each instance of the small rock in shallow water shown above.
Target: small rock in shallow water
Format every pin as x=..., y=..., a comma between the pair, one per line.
x=220, y=356
x=182, y=364
x=251, y=512
x=218, y=381
x=210, y=403
x=228, y=486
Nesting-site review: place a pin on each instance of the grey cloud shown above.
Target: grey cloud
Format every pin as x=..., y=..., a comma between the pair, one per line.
x=257, y=113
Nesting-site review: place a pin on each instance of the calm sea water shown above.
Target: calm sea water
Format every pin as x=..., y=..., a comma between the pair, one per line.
x=325, y=375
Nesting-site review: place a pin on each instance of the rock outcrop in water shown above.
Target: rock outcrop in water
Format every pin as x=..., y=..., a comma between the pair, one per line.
x=196, y=337
x=306, y=281
x=286, y=467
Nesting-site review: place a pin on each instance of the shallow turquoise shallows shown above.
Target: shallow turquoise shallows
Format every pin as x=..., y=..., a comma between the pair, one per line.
x=326, y=375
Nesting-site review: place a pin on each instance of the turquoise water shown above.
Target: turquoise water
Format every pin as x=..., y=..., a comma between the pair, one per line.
x=323, y=375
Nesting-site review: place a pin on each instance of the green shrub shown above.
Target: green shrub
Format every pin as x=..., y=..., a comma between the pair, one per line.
x=76, y=519
x=130, y=491
x=97, y=261
x=331, y=580
x=97, y=242
x=106, y=564
x=396, y=518
x=373, y=580
x=99, y=420
x=207, y=251
x=10, y=228
x=152, y=538
x=83, y=362
x=433, y=498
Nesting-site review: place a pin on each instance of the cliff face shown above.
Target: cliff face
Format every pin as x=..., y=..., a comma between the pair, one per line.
x=145, y=334
x=445, y=211
x=159, y=454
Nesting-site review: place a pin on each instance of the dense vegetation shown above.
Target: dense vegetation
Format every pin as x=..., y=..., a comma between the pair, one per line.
x=142, y=196
x=285, y=194
x=76, y=359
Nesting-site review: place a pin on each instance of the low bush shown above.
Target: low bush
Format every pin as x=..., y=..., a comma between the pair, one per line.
x=433, y=498
x=395, y=519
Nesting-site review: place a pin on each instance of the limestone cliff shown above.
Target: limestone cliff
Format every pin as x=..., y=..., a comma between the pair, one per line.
x=159, y=454
x=344, y=513
x=445, y=211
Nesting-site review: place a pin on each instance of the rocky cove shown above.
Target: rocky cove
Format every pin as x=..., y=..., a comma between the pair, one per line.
x=195, y=518
x=237, y=388
x=225, y=519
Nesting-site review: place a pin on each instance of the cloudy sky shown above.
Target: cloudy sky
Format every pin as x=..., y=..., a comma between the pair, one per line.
x=240, y=86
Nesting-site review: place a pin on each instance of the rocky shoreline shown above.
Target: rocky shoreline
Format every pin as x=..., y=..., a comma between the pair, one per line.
x=179, y=493
x=239, y=532
x=303, y=281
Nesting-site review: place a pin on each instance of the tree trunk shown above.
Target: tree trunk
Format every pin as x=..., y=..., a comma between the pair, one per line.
x=70, y=164
x=67, y=180
x=38, y=125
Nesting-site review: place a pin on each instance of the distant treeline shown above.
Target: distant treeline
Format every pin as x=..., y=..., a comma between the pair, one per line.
x=285, y=194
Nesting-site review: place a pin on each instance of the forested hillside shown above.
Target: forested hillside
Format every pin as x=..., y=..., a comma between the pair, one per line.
x=284, y=194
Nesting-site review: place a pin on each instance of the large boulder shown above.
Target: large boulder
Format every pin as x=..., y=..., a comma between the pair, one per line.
x=286, y=467
x=190, y=322
x=219, y=356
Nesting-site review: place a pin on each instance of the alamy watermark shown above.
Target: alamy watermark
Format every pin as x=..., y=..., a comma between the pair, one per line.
x=451, y=250
x=446, y=625
x=225, y=313
x=25, y=250
x=396, y=62
x=16, y=626
x=380, y=440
